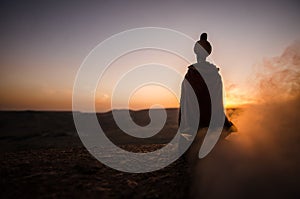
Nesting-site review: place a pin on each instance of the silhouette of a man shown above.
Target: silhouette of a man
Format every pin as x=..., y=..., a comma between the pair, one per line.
x=195, y=78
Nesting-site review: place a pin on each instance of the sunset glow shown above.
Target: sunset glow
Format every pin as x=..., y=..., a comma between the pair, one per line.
x=41, y=54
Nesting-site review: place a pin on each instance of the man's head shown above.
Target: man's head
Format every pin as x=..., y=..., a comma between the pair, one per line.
x=202, y=47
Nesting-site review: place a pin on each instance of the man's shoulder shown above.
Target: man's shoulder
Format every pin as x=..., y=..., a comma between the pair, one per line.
x=192, y=72
x=191, y=67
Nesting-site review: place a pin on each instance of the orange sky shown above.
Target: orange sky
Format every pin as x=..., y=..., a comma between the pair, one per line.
x=43, y=45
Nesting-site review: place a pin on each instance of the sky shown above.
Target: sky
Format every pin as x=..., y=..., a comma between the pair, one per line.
x=43, y=44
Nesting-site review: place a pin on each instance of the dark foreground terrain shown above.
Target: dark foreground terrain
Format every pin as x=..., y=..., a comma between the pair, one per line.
x=42, y=157
x=74, y=173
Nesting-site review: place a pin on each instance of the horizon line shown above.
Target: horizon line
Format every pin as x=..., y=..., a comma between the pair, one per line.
x=107, y=111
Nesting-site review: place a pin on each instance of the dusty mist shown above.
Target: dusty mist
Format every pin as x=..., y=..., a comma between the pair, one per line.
x=261, y=160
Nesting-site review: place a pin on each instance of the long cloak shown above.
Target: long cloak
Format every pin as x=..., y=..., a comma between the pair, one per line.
x=195, y=80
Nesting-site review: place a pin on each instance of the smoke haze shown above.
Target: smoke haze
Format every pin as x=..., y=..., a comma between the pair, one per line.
x=262, y=159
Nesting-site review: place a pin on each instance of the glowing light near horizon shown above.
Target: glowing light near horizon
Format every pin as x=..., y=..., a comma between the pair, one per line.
x=150, y=95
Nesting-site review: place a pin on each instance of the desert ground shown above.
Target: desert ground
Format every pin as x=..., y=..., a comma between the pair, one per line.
x=43, y=157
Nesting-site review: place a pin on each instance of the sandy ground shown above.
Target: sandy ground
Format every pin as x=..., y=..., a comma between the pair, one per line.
x=42, y=157
x=74, y=173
